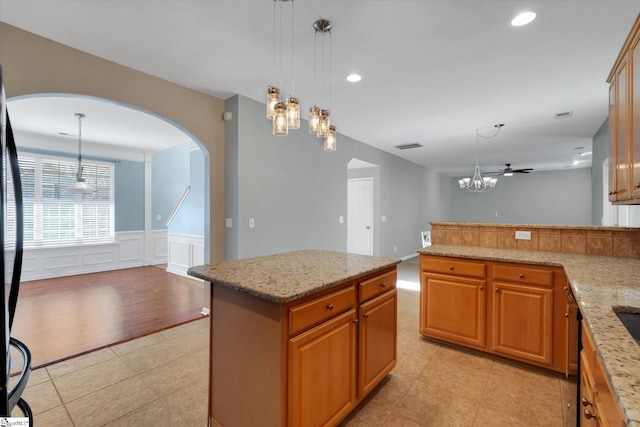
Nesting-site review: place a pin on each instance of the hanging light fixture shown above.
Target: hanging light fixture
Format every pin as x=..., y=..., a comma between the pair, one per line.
x=477, y=183
x=80, y=186
x=319, y=118
x=274, y=103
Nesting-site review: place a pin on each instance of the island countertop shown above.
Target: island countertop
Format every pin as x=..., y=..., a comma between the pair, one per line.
x=598, y=284
x=289, y=276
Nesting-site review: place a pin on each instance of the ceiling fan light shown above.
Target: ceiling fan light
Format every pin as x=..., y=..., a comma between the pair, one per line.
x=508, y=173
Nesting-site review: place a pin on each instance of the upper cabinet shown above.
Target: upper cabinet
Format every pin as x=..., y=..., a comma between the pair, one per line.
x=624, y=122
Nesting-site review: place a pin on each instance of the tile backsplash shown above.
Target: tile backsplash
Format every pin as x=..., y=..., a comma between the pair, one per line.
x=609, y=241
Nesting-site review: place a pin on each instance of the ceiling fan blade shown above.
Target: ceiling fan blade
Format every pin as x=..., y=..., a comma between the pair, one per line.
x=526, y=170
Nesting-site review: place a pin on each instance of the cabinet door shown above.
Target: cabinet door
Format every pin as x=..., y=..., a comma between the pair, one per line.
x=587, y=410
x=378, y=340
x=622, y=146
x=571, y=330
x=635, y=121
x=453, y=309
x=322, y=373
x=522, y=322
x=612, y=129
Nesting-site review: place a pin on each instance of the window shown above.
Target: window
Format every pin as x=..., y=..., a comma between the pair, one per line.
x=54, y=217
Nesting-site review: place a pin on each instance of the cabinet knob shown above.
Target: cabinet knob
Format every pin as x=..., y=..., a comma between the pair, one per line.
x=638, y=185
x=588, y=414
x=566, y=315
x=329, y=306
x=365, y=315
x=496, y=290
x=481, y=287
x=584, y=401
x=451, y=267
x=521, y=275
x=382, y=285
x=355, y=320
x=565, y=288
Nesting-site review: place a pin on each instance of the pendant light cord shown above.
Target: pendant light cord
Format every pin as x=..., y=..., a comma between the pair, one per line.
x=293, y=14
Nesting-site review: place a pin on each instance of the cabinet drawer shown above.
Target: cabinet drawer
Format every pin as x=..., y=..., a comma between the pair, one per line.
x=379, y=284
x=320, y=309
x=455, y=266
x=517, y=274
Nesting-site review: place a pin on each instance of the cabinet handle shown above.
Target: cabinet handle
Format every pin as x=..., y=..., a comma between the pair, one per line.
x=329, y=306
x=521, y=275
x=382, y=285
x=585, y=402
x=365, y=315
x=588, y=414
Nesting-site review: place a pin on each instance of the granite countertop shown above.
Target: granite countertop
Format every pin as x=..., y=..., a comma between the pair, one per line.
x=288, y=276
x=532, y=226
x=598, y=284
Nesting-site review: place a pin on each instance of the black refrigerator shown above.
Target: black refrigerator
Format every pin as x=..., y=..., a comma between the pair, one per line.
x=16, y=360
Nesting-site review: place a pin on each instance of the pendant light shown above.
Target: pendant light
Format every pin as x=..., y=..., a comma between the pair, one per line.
x=320, y=118
x=80, y=186
x=478, y=183
x=280, y=125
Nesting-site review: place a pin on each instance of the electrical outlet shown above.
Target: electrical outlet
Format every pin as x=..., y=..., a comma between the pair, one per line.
x=523, y=235
x=252, y=223
x=498, y=214
x=383, y=219
x=228, y=222
x=341, y=219
x=395, y=249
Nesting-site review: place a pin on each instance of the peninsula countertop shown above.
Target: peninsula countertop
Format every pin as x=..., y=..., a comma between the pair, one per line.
x=288, y=276
x=598, y=284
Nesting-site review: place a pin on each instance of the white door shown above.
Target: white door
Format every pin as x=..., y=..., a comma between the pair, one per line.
x=360, y=216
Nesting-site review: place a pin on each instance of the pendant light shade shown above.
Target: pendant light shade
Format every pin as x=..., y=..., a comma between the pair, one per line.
x=314, y=119
x=293, y=113
x=323, y=124
x=280, y=119
x=80, y=186
x=273, y=97
x=330, y=140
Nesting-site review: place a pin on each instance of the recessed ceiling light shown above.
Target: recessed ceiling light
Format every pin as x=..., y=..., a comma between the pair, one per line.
x=523, y=19
x=354, y=78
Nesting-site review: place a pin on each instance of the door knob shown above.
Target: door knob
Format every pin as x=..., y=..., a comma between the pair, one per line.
x=368, y=227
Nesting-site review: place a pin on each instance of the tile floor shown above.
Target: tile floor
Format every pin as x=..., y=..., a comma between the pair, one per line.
x=161, y=380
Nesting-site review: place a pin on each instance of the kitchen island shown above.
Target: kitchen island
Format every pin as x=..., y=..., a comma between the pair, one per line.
x=598, y=283
x=298, y=338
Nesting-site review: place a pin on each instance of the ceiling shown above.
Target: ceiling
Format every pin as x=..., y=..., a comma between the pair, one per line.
x=432, y=71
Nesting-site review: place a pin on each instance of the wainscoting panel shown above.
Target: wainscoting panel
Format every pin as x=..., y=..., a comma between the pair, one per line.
x=126, y=251
x=184, y=251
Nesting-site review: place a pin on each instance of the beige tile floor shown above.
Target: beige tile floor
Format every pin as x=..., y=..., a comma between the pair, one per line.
x=161, y=380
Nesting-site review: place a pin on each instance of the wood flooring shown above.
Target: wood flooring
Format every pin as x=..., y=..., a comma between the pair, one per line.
x=67, y=316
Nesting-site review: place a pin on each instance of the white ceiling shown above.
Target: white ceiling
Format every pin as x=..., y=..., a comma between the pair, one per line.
x=432, y=71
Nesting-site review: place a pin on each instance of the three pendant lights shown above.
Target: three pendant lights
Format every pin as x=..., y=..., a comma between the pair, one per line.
x=286, y=115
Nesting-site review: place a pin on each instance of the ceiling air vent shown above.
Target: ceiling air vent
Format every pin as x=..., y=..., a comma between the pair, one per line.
x=565, y=115
x=408, y=146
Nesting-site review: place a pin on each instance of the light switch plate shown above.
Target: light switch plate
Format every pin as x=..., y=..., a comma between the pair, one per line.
x=383, y=219
x=523, y=235
x=341, y=219
x=228, y=222
x=252, y=223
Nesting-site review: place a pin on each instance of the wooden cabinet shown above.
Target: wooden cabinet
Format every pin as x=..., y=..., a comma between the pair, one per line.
x=512, y=310
x=572, y=330
x=453, y=309
x=624, y=122
x=598, y=404
x=307, y=362
x=322, y=372
x=378, y=340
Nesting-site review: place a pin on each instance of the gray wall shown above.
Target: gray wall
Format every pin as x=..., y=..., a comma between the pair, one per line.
x=169, y=179
x=552, y=198
x=600, y=152
x=190, y=218
x=296, y=192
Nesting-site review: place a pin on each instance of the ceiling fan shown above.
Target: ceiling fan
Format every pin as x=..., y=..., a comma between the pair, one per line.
x=508, y=171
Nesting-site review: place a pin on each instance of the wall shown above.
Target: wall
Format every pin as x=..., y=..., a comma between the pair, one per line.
x=169, y=180
x=296, y=192
x=33, y=64
x=555, y=197
x=129, y=196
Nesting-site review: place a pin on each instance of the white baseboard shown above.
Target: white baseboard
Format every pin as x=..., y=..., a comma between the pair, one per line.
x=404, y=258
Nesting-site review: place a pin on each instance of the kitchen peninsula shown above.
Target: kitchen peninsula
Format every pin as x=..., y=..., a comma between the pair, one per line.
x=598, y=282
x=298, y=338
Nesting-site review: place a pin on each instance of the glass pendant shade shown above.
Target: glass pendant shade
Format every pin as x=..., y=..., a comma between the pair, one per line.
x=81, y=186
x=323, y=124
x=314, y=119
x=330, y=140
x=273, y=97
x=293, y=113
x=280, y=125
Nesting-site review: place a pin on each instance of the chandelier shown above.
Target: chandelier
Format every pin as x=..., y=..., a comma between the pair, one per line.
x=285, y=114
x=477, y=183
x=80, y=186
x=320, y=118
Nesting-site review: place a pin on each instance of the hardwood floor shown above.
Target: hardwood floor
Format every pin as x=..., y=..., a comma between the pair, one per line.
x=67, y=316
